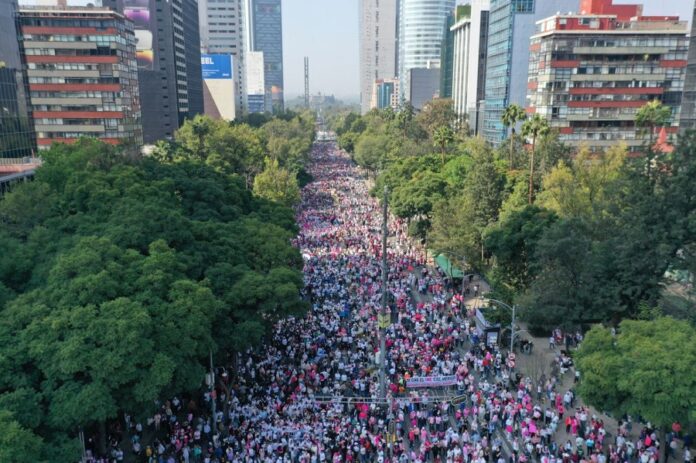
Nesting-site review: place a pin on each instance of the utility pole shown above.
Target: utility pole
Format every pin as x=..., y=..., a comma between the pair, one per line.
x=306, y=82
x=384, y=318
x=512, y=329
x=212, y=392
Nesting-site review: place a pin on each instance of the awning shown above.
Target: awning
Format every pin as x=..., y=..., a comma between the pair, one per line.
x=448, y=267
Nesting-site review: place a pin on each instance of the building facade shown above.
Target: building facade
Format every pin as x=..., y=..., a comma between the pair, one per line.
x=378, y=45
x=17, y=137
x=219, y=90
x=223, y=30
x=511, y=23
x=255, y=82
x=421, y=31
x=82, y=73
x=590, y=73
x=470, y=34
x=169, y=62
x=265, y=19
x=688, y=107
x=425, y=85
x=385, y=94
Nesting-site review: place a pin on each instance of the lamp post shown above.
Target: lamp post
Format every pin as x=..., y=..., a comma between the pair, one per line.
x=512, y=309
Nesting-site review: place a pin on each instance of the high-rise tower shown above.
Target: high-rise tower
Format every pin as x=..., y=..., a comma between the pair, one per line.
x=378, y=45
x=421, y=30
x=265, y=23
x=169, y=62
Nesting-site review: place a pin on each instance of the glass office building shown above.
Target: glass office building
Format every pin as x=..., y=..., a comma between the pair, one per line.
x=511, y=24
x=16, y=127
x=266, y=35
x=421, y=32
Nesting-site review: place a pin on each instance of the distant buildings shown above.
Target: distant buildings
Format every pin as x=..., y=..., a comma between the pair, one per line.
x=17, y=137
x=511, y=24
x=688, y=108
x=82, y=74
x=470, y=39
x=265, y=23
x=255, y=82
x=590, y=73
x=421, y=30
x=223, y=31
x=378, y=46
x=169, y=62
x=385, y=94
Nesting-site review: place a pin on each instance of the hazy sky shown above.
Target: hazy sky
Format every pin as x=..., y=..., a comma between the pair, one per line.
x=327, y=32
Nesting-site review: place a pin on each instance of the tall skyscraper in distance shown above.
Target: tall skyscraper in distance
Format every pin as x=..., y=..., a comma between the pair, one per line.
x=83, y=74
x=688, y=109
x=255, y=82
x=378, y=22
x=16, y=125
x=421, y=30
x=223, y=31
x=470, y=37
x=590, y=73
x=511, y=24
x=169, y=62
x=265, y=22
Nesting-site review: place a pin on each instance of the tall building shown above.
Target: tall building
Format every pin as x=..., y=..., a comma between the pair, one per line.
x=688, y=108
x=16, y=125
x=378, y=45
x=83, y=74
x=590, y=73
x=421, y=30
x=265, y=19
x=255, y=82
x=447, y=51
x=470, y=40
x=511, y=23
x=169, y=62
x=219, y=90
x=425, y=85
x=223, y=31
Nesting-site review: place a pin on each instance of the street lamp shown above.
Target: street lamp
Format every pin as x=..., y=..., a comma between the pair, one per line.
x=512, y=309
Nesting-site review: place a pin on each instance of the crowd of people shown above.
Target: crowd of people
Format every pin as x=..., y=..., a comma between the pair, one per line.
x=311, y=394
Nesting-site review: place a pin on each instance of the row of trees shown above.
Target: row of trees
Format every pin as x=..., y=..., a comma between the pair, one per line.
x=574, y=238
x=270, y=154
x=119, y=275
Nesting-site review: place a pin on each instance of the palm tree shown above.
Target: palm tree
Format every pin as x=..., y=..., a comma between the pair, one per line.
x=511, y=116
x=652, y=115
x=201, y=128
x=534, y=127
x=442, y=137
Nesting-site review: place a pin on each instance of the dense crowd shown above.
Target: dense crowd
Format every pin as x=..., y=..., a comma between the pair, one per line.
x=311, y=395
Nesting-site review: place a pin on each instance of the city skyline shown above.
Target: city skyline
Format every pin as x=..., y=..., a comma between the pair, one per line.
x=338, y=73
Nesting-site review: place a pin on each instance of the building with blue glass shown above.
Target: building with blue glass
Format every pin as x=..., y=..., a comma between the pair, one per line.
x=511, y=24
x=265, y=22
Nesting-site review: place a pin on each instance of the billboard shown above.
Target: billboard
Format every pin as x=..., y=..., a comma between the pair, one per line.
x=216, y=66
x=138, y=11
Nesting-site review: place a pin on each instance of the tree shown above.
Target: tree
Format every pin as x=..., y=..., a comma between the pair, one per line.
x=645, y=370
x=277, y=184
x=370, y=151
x=442, y=137
x=513, y=241
x=18, y=444
x=511, y=116
x=437, y=113
x=650, y=116
x=534, y=127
